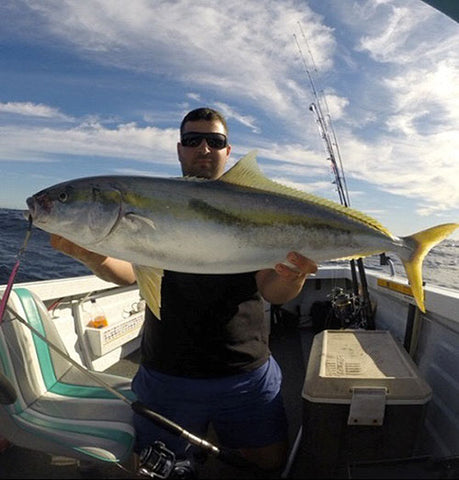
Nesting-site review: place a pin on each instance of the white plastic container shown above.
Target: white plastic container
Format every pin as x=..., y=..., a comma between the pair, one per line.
x=106, y=339
x=363, y=399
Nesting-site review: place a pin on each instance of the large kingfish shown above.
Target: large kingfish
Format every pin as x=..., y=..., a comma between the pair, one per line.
x=241, y=222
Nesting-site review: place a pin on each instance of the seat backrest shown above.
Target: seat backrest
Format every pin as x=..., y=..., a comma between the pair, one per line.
x=56, y=402
x=26, y=360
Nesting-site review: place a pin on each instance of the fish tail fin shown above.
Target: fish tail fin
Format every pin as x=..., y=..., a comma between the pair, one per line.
x=419, y=245
x=149, y=282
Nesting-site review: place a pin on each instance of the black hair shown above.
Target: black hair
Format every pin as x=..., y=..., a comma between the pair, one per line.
x=204, y=113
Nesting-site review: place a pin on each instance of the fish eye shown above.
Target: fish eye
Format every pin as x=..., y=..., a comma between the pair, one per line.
x=63, y=196
x=95, y=193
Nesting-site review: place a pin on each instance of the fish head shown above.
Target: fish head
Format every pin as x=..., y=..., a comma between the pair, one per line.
x=84, y=211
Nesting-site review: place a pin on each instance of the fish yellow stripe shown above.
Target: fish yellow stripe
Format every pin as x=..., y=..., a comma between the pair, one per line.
x=246, y=173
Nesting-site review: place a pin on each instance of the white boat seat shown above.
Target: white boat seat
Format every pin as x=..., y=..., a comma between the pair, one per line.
x=59, y=410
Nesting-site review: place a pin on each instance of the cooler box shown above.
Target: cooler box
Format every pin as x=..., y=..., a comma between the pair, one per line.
x=363, y=400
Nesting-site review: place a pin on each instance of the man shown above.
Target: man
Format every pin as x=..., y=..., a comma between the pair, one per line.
x=207, y=361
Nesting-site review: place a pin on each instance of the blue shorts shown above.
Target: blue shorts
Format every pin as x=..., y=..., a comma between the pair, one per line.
x=245, y=410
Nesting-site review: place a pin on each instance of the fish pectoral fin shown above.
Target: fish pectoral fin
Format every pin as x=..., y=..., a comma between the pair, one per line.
x=149, y=281
x=138, y=221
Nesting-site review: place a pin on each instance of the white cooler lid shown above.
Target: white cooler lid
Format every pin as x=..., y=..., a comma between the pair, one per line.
x=343, y=360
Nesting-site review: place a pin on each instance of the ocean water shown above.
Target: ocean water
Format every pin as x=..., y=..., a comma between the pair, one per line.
x=42, y=262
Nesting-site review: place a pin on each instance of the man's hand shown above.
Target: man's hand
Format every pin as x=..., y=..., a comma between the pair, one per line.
x=303, y=267
x=283, y=283
x=107, y=268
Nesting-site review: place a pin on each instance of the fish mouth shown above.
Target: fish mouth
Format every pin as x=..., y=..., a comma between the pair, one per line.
x=32, y=211
x=37, y=204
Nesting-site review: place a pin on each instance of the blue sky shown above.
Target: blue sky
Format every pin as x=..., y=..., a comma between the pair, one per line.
x=91, y=87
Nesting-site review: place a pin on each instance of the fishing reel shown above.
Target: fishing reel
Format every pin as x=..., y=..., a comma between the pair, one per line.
x=346, y=307
x=157, y=461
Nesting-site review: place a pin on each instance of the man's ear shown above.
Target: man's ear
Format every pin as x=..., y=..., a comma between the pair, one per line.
x=179, y=151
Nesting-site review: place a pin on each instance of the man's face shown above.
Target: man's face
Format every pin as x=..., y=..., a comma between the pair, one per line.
x=202, y=160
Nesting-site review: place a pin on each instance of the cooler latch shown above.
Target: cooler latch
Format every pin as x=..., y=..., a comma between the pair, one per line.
x=367, y=406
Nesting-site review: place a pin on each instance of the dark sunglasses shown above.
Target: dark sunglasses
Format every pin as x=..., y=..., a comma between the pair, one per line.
x=194, y=139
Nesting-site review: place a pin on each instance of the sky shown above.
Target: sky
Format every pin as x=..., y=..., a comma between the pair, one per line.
x=99, y=87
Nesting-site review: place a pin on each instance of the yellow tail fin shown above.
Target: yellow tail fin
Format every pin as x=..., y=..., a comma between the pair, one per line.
x=421, y=243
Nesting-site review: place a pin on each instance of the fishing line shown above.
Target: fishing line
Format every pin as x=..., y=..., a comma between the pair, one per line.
x=9, y=285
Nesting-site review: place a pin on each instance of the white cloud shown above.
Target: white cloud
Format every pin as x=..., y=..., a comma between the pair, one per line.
x=336, y=105
x=410, y=107
x=244, y=48
x=194, y=96
x=29, y=109
x=91, y=139
x=421, y=167
x=229, y=113
x=432, y=95
x=385, y=44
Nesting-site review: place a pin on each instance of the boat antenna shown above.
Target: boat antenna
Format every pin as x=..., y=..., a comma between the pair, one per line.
x=319, y=108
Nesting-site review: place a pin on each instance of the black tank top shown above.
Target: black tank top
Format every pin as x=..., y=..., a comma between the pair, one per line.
x=211, y=325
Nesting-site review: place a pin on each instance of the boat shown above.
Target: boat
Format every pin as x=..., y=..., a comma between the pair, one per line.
x=370, y=382
x=427, y=344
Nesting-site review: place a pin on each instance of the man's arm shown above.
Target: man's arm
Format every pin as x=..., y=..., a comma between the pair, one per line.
x=107, y=268
x=282, y=283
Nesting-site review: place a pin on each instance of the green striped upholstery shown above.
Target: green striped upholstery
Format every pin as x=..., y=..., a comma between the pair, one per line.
x=59, y=410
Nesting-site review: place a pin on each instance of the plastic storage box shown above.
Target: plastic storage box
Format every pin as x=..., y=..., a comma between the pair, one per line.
x=106, y=339
x=363, y=400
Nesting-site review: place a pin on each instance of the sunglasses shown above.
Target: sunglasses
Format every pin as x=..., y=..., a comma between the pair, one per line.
x=214, y=140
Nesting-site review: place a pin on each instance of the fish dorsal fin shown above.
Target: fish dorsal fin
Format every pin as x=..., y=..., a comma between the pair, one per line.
x=247, y=173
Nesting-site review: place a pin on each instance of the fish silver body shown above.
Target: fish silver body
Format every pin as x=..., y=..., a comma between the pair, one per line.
x=201, y=226
x=241, y=222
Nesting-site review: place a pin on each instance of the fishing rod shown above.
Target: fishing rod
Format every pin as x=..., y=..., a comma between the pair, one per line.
x=156, y=461
x=136, y=405
x=229, y=456
x=330, y=141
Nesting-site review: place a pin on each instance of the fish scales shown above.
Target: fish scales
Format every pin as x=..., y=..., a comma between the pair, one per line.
x=215, y=228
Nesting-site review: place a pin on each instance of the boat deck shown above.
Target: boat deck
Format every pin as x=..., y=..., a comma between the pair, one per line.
x=290, y=346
